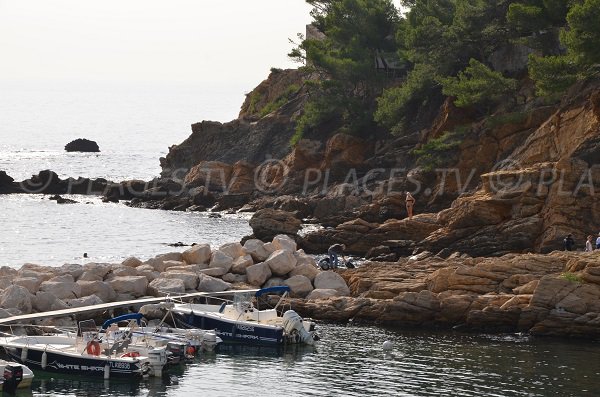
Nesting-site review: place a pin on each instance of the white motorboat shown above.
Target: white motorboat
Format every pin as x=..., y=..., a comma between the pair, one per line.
x=240, y=321
x=14, y=376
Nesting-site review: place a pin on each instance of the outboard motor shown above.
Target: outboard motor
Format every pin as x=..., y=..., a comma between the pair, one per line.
x=293, y=324
x=13, y=375
x=176, y=352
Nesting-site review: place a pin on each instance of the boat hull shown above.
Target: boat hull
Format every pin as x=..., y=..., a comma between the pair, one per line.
x=231, y=331
x=70, y=364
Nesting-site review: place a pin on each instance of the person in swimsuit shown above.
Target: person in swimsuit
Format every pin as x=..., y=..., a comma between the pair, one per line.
x=410, y=203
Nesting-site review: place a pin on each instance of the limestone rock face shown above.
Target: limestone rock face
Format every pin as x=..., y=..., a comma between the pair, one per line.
x=199, y=253
x=267, y=223
x=213, y=174
x=133, y=285
x=320, y=293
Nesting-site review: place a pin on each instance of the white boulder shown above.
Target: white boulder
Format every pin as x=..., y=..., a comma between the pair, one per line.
x=332, y=280
x=317, y=294
x=281, y=262
x=101, y=289
x=132, y=261
x=63, y=287
x=300, y=286
x=306, y=270
x=221, y=259
x=198, y=254
x=165, y=265
x=46, y=301
x=211, y=284
x=258, y=274
x=241, y=264
x=257, y=250
x=16, y=297
x=32, y=284
x=89, y=276
x=234, y=250
x=99, y=269
x=214, y=271
x=284, y=242
x=73, y=269
x=190, y=280
x=164, y=286
x=85, y=301
x=158, y=261
x=131, y=285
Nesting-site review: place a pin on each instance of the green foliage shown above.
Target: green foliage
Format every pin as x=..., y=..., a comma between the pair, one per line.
x=316, y=112
x=506, y=118
x=255, y=98
x=553, y=74
x=478, y=85
x=397, y=104
x=441, y=151
x=571, y=277
x=583, y=36
x=284, y=98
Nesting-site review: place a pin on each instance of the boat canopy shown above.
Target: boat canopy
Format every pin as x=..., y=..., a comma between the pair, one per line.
x=270, y=290
x=131, y=316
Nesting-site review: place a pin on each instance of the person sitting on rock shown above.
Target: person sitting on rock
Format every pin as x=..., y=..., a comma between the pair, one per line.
x=589, y=245
x=569, y=242
x=410, y=203
x=334, y=251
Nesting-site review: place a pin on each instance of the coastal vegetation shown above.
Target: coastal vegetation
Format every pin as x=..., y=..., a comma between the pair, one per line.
x=376, y=69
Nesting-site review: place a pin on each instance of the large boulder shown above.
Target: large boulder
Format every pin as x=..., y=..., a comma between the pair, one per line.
x=258, y=274
x=331, y=280
x=300, y=286
x=101, y=289
x=214, y=271
x=98, y=269
x=121, y=271
x=85, y=301
x=241, y=264
x=31, y=283
x=132, y=261
x=234, y=250
x=268, y=223
x=214, y=175
x=46, y=301
x=222, y=260
x=82, y=145
x=284, y=242
x=16, y=297
x=242, y=178
x=306, y=269
x=73, y=269
x=198, y=254
x=281, y=262
x=211, y=284
x=190, y=280
x=256, y=248
x=158, y=262
x=62, y=287
x=165, y=286
x=132, y=285
x=317, y=294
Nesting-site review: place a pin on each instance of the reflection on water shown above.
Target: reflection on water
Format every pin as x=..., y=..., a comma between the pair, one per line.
x=349, y=361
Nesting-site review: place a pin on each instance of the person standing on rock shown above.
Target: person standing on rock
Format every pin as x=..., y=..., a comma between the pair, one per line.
x=589, y=245
x=410, y=203
x=569, y=242
x=334, y=251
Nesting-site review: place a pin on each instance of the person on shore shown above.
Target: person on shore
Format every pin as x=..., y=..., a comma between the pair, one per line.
x=334, y=251
x=569, y=243
x=589, y=245
x=410, y=203
x=598, y=242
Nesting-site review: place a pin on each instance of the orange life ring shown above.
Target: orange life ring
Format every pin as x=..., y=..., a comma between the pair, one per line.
x=93, y=348
x=131, y=354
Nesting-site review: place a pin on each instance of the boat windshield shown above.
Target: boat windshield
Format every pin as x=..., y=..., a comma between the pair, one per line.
x=243, y=301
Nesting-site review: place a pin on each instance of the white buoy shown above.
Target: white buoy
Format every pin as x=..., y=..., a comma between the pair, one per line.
x=24, y=354
x=107, y=371
x=44, y=362
x=387, y=346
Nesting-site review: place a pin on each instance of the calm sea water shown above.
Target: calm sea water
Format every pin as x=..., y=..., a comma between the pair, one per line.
x=349, y=362
x=134, y=126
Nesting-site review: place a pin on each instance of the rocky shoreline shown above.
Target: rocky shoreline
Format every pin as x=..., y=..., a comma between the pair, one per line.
x=554, y=294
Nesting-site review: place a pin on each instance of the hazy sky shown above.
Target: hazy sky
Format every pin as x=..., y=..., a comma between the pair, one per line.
x=192, y=41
